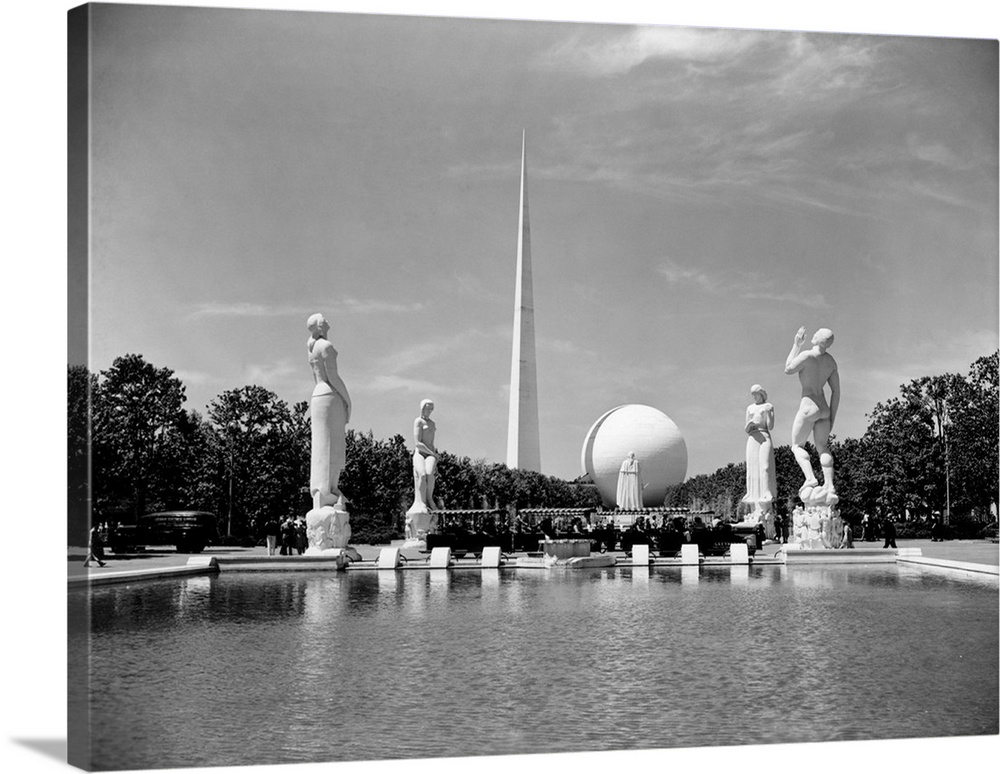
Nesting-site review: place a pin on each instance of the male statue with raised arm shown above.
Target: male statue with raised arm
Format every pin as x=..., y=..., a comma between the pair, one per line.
x=816, y=369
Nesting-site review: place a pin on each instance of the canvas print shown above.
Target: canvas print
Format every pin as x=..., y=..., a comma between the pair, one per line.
x=444, y=388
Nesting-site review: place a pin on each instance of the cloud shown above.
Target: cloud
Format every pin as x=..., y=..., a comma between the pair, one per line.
x=675, y=274
x=384, y=383
x=444, y=349
x=615, y=55
x=199, y=378
x=243, y=309
x=736, y=283
x=271, y=373
x=360, y=306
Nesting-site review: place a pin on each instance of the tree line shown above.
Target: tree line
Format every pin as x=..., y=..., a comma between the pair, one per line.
x=134, y=449
x=931, y=449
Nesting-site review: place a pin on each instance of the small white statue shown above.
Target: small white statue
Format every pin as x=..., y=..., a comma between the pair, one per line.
x=761, y=483
x=629, y=494
x=816, y=369
x=420, y=517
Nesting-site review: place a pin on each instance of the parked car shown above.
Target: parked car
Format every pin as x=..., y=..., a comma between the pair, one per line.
x=189, y=531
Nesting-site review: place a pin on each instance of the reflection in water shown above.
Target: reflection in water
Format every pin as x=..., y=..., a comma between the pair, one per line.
x=263, y=668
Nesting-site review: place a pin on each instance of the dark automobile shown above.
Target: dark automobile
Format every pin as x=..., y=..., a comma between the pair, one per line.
x=189, y=531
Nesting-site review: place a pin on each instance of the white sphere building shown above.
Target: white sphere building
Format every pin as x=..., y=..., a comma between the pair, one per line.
x=656, y=441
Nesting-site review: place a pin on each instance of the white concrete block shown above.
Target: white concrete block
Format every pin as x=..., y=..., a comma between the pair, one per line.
x=440, y=558
x=689, y=554
x=739, y=553
x=202, y=561
x=388, y=558
x=491, y=557
x=640, y=554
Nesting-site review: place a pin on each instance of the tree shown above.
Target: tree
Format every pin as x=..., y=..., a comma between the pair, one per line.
x=82, y=391
x=136, y=437
x=258, y=446
x=377, y=480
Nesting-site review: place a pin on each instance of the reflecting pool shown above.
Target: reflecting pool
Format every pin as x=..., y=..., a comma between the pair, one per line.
x=267, y=668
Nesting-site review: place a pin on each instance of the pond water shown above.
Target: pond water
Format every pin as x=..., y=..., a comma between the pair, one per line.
x=291, y=667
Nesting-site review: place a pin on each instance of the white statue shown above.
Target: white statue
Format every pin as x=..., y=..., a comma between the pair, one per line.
x=420, y=517
x=816, y=369
x=629, y=495
x=327, y=524
x=761, y=483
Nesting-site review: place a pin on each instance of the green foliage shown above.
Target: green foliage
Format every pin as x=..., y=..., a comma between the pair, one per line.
x=938, y=439
x=81, y=387
x=258, y=448
x=138, y=438
x=377, y=480
x=936, y=442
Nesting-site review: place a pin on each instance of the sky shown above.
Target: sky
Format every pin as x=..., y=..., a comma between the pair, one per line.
x=695, y=197
x=696, y=194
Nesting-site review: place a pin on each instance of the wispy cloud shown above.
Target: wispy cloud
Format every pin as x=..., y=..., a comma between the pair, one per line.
x=242, y=309
x=369, y=306
x=245, y=309
x=199, y=378
x=384, y=383
x=615, y=55
x=270, y=374
x=736, y=283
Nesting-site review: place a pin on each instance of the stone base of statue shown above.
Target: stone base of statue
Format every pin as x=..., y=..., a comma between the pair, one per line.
x=328, y=528
x=763, y=513
x=817, y=527
x=419, y=521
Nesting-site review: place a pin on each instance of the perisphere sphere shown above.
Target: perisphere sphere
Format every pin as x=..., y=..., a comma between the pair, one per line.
x=653, y=437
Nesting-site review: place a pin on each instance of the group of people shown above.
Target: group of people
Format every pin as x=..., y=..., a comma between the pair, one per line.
x=286, y=537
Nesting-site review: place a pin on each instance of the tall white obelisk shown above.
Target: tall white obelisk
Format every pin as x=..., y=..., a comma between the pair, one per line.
x=522, y=422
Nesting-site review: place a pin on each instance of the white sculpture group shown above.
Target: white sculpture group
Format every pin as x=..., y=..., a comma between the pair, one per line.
x=817, y=370
x=328, y=523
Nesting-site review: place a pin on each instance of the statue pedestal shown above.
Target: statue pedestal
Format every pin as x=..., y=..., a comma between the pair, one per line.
x=819, y=528
x=328, y=529
x=419, y=521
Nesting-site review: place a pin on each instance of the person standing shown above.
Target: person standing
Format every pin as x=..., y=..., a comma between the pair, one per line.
x=301, y=539
x=889, y=530
x=271, y=530
x=288, y=537
x=96, y=548
x=847, y=541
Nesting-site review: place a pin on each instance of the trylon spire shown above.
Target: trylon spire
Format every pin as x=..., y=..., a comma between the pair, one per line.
x=522, y=422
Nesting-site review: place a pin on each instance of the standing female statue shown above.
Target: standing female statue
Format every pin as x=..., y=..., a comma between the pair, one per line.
x=629, y=493
x=421, y=518
x=330, y=407
x=761, y=483
x=425, y=457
